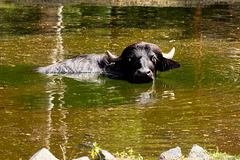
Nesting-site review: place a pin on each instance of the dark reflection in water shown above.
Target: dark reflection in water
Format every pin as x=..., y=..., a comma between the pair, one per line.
x=92, y=90
x=196, y=104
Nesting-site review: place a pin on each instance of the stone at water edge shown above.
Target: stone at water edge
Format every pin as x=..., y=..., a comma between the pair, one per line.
x=106, y=155
x=43, y=154
x=173, y=154
x=198, y=153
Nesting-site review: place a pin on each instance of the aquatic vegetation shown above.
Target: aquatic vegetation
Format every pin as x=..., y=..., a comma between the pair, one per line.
x=95, y=151
x=128, y=155
x=217, y=155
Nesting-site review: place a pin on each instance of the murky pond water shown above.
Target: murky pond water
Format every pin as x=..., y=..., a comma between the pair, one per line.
x=195, y=104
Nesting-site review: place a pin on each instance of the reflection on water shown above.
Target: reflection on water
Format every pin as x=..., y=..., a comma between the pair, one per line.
x=57, y=87
x=152, y=3
x=196, y=104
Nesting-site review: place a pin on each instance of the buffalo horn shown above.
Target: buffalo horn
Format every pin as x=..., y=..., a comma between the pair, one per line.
x=112, y=57
x=170, y=54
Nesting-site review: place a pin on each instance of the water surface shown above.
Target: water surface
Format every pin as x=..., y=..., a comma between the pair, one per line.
x=195, y=104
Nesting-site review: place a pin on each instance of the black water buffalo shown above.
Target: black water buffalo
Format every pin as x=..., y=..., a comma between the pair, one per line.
x=138, y=63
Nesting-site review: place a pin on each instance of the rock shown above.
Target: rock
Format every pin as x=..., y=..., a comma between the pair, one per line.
x=82, y=158
x=173, y=154
x=43, y=154
x=106, y=155
x=198, y=153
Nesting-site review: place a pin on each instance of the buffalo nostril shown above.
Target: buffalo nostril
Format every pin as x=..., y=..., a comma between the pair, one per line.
x=139, y=72
x=143, y=72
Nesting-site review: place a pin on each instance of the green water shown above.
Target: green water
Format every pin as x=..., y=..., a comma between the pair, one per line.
x=195, y=104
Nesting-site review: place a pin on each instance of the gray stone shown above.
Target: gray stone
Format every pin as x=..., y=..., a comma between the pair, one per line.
x=106, y=155
x=198, y=153
x=173, y=154
x=82, y=158
x=43, y=154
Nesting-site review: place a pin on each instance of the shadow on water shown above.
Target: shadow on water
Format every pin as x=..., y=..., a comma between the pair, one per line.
x=195, y=104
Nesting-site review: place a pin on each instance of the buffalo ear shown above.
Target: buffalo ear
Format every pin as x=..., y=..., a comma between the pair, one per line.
x=167, y=64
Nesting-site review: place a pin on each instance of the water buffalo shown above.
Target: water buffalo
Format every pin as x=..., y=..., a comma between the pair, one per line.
x=138, y=63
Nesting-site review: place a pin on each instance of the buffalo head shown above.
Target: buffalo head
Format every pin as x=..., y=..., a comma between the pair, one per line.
x=139, y=62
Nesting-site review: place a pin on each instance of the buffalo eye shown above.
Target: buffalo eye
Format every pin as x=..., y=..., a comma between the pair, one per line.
x=153, y=59
x=129, y=59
